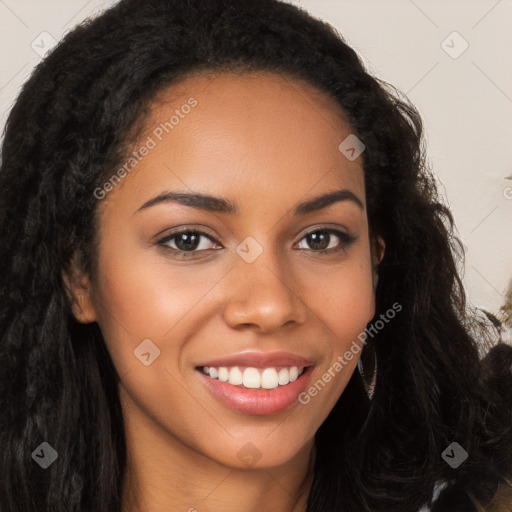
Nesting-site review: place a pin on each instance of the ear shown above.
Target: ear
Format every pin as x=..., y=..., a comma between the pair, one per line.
x=378, y=251
x=79, y=291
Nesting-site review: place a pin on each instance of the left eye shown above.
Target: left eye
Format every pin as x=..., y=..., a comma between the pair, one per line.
x=319, y=238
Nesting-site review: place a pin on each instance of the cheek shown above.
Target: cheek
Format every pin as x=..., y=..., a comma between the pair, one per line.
x=148, y=307
x=342, y=298
x=141, y=295
x=343, y=301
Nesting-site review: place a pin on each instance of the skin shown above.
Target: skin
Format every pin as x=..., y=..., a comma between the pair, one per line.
x=268, y=143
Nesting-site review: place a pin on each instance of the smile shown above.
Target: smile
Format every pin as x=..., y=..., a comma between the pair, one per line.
x=257, y=383
x=254, y=378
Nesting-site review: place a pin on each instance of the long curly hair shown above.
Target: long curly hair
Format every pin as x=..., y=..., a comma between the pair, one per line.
x=72, y=125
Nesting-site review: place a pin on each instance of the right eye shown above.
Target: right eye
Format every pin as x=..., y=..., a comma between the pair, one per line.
x=186, y=243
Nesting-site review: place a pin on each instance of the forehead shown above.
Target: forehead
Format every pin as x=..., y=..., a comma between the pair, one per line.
x=241, y=135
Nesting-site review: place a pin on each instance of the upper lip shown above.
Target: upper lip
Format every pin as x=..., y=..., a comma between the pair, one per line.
x=260, y=360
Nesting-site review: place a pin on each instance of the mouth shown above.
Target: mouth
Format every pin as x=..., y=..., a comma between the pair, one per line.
x=260, y=388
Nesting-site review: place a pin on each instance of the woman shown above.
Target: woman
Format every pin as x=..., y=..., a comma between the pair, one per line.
x=229, y=283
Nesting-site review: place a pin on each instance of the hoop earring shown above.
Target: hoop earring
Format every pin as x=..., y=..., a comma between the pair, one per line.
x=367, y=367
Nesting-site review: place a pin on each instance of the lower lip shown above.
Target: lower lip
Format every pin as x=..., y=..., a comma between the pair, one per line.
x=259, y=402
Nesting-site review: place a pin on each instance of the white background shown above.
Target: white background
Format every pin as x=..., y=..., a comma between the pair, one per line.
x=466, y=102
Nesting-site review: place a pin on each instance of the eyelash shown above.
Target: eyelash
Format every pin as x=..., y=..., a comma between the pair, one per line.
x=346, y=241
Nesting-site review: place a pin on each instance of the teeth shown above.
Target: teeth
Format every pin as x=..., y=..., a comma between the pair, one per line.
x=223, y=374
x=252, y=378
x=269, y=378
x=284, y=377
x=236, y=377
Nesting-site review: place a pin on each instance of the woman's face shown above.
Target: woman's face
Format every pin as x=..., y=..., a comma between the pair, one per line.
x=246, y=291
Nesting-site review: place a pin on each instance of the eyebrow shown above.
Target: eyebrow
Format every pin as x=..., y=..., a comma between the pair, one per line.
x=222, y=205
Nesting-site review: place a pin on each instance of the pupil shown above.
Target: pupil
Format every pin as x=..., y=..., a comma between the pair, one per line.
x=183, y=244
x=319, y=238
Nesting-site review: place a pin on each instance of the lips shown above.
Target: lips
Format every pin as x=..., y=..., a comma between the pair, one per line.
x=257, y=383
x=259, y=360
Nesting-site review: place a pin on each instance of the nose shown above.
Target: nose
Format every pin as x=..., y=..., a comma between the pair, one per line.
x=264, y=294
